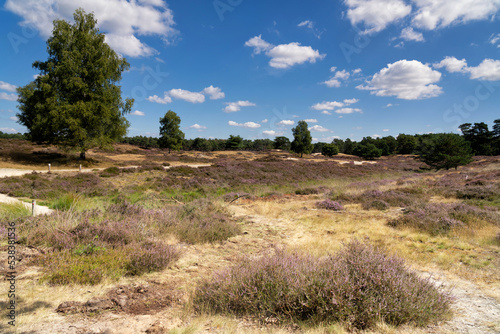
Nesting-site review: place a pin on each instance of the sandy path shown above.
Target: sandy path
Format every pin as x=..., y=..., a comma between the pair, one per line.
x=39, y=209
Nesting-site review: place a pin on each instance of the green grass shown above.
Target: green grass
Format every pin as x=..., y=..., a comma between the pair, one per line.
x=10, y=212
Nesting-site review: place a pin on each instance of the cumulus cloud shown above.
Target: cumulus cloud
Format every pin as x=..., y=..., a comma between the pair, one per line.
x=408, y=80
x=258, y=44
x=286, y=122
x=215, y=93
x=408, y=34
x=375, y=15
x=197, y=127
x=432, y=14
x=311, y=120
x=186, y=95
x=13, y=118
x=326, y=112
x=385, y=130
x=248, y=125
x=327, y=105
x=452, y=64
x=8, y=97
x=339, y=76
x=264, y=121
x=318, y=128
x=272, y=133
x=162, y=100
x=350, y=101
x=488, y=70
x=9, y=130
x=122, y=21
x=137, y=113
x=348, y=110
x=284, y=56
x=7, y=86
x=236, y=106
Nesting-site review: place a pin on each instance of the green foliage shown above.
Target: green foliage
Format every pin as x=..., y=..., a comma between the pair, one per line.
x=301, y=139
x=367, y=151
x=282, y=143
x=4, y=135
x=479, y=137
x=234, y=143
x=171, y=136
x=330, y=150
x=445, y=150
x=75, y=101
x=406, y=144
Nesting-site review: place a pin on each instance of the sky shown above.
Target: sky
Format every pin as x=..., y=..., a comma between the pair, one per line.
x=349, y=68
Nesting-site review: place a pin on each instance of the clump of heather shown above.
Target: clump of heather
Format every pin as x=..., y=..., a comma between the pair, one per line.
x=376, y=204
x=328, y=204
x=150, y=257
x=359, y=286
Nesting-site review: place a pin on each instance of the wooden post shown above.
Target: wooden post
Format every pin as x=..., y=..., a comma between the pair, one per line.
x=49, y=168
x=80, y=169
x=33, y=204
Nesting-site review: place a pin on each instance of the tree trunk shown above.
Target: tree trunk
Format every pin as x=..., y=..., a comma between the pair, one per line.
x=82, y=155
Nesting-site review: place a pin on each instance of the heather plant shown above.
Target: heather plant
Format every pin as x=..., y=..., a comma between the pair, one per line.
x=328, y=204
x=109, y=172
x=376, y=204
x=150, y=257
x=358, y=287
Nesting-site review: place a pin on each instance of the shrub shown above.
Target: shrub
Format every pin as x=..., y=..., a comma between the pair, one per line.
x=376, y=204
x=328, y=204
x=359, y=286
x=307, y=191
x=111, y=171
x=150, y=257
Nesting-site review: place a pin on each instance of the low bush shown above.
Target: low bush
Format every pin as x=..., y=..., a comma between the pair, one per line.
x=328, y=204
x=151, y=257
x=307, y=191
x=376, y=204
x=111, y=171
x=359, y=286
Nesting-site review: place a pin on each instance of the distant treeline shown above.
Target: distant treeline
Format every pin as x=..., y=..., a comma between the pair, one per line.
x=4, y=135
x=481, y=140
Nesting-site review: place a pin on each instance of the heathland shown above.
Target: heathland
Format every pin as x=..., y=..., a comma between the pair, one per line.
x=142, y=240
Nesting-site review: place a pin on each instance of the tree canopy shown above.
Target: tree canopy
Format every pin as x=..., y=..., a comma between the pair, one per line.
x=445, y=150
x=171, y=136
x=301, y=139
x=75, y=101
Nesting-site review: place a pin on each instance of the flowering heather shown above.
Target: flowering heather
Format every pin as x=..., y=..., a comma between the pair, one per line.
x=328, y=204
x=359, y=286
x=151, y=257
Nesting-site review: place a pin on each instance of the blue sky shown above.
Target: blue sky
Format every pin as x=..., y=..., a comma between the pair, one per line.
x=350, y=68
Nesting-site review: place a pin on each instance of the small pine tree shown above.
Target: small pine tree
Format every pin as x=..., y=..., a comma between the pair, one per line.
x=171, y=136
x=445, y=150
x=330, y=150
x=302, y=140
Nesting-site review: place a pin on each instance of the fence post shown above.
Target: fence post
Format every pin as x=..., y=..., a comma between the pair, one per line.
x=80, y=169
x=33, y=204
x=49, y=168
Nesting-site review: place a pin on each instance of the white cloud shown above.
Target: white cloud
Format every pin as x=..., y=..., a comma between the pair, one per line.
x=155, y=98
x=7, y=86
x=8, y=97
x=13, y=118
x=326, y=112
x=389, y=105
x=310, y=25
x=137, y=113
x=122, y=21
x=8, y=130
x=284, y=56
x=356, y=71
x=335, y=80
x=327, y=105
x=452, y=64
x=375, y=136
x=198, y=127
x=385, y=130
x=495, y=40
x=318, y=128
x=348, y=110
x=236, y=106
x=264, y=121
x=350, y=101
x=488, y=70
x=307, y=23
x=186, y=95
x=215, y=93
x=248, y=125
x=286, y=122
x=408, y=34
x=258, y=44
x=432, y=14
x=311, y=120
x=375, y=15
x=272, y=133
x=408, y=80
